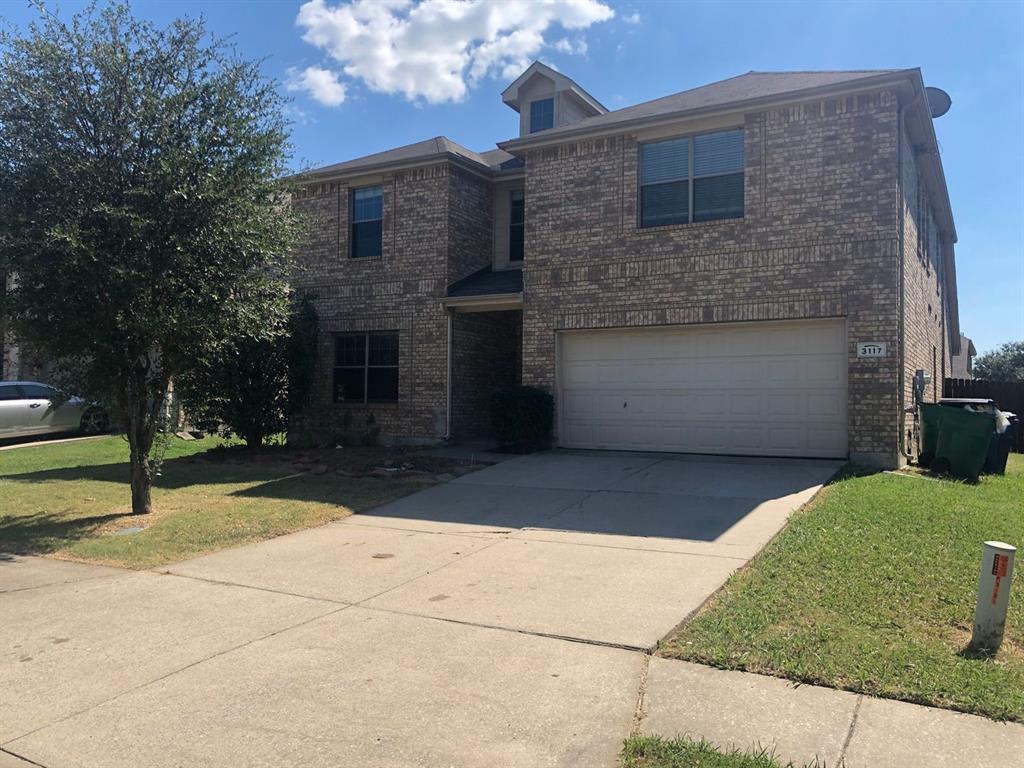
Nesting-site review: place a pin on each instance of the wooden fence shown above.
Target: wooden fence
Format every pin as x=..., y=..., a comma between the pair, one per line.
x=1009, y=395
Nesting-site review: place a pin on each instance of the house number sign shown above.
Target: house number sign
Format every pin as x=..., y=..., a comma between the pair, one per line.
x=871, y=349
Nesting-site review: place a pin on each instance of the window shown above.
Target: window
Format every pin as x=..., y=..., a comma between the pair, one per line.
x=516, y=219
x=542, y=115
x=38, y=392
x=9, y=392
x=367, y=221
x=698, y=178
x=366, y=367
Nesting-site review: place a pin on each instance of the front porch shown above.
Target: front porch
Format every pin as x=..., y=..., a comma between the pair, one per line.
x=485, y=341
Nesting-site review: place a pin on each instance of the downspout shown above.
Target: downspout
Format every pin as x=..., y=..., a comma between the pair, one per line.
x=448, y=381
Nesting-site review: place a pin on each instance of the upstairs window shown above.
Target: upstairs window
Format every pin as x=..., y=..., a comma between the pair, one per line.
x=366, y=367
x=696, y=178
x=542, y=115
x=367, y=221
x=516, y=221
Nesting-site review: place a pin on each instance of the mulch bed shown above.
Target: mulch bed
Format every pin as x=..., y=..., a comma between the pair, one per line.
x=360, y=461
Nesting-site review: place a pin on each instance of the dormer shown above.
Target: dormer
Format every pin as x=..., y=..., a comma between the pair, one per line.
x=546, y=99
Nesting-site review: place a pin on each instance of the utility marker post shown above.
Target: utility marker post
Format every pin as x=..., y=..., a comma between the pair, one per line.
x=993, y=596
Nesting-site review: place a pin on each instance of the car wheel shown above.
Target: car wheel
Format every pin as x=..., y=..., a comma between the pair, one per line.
x=94, y=421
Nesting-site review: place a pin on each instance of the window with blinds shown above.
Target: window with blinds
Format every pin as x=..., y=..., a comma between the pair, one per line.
x=542, y=115
x=367, y=221
x=695, y=178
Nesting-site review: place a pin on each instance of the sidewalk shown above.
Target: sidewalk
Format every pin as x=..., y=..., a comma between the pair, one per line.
x=804, y=722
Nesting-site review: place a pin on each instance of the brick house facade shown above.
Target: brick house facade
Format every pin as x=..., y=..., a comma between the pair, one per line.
x=845, y=220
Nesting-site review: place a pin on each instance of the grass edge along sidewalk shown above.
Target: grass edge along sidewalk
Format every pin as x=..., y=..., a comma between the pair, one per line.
x=871, y=589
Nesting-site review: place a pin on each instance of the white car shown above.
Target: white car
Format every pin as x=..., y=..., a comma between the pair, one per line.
x=30, y=408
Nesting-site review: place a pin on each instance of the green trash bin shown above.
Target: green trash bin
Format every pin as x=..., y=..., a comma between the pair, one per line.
x=931, y=418
x=963, y=442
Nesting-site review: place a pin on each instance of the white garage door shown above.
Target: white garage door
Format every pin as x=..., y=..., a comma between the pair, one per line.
x=760, y=389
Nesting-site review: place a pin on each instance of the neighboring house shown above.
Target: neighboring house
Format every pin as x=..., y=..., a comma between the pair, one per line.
x=756, y=266
x=963, y=362
x=17, y=360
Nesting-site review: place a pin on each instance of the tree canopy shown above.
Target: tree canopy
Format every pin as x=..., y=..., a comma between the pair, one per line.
x=1003, y=364
x=142, y=210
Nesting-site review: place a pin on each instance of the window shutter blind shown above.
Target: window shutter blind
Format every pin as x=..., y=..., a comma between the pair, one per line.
x=665, y=161
x=715, y=153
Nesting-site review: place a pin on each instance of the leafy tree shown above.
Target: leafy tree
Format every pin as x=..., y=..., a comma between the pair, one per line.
x=250, y=384
x=1003, y=364
x=140, y=203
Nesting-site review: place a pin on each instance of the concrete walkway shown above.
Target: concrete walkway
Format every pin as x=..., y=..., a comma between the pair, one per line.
x=805, y=722
x=503, y=618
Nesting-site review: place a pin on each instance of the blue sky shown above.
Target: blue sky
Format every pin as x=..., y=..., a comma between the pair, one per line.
x=360, y=86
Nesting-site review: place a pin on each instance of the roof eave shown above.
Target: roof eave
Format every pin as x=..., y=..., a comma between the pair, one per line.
x=483, y=301
x=393, y=165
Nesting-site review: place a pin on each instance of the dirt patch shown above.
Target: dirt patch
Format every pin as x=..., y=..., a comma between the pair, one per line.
x=363, y=461
x=1010, y=652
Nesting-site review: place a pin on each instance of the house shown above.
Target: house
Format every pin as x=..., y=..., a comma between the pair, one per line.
x=757, y=266
x=962, y=363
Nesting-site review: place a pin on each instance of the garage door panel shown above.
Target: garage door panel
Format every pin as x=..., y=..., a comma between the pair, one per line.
x=763, y=389
x=782, y=404
x=824, y=406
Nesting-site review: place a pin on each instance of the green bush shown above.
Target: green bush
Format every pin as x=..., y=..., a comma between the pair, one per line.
x=523, y=417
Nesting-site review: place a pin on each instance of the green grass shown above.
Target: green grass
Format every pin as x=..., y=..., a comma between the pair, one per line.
x=67, y=500
x=655, y=752
x=872, y=589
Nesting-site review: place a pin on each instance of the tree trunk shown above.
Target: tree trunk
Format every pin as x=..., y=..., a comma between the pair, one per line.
x=142, y=482
x=141, y=420
x=254, y=439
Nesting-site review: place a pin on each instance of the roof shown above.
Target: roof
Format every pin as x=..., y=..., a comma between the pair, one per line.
x=430, y=149
x=488, y=282
x=971, y=351
x=562, y=83
x=752, y=85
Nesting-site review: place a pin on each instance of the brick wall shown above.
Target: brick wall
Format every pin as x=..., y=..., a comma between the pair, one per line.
x=818, y=239
x=485, y=355
x=924, y=321
x=398, y=291
x=437, y=228
x=471, y=230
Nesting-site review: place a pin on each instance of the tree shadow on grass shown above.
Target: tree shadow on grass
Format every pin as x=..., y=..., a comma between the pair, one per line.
x=45, y=532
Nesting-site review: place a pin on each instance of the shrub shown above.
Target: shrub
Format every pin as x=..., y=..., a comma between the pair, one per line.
x=523, y=417
x=250, y=384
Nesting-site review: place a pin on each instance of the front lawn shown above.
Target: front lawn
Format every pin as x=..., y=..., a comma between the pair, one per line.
x=655, y=752
x=72, y=500
x=871, y=589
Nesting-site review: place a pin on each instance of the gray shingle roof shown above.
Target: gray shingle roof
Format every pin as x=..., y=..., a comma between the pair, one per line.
x=436, y=147
x=751, y=85
x=488, y=282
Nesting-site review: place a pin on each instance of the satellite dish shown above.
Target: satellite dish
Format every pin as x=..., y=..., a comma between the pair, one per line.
x=938, y=101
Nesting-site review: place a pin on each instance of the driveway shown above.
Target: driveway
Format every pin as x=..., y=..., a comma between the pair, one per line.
x=501, y=618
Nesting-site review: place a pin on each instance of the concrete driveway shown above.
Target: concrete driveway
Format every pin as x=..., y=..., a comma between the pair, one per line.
x=502, y=618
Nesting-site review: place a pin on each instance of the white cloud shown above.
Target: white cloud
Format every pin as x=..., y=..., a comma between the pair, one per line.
x=633, y=18
x=576, y=47
x=322, y=84
x=436, y=50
